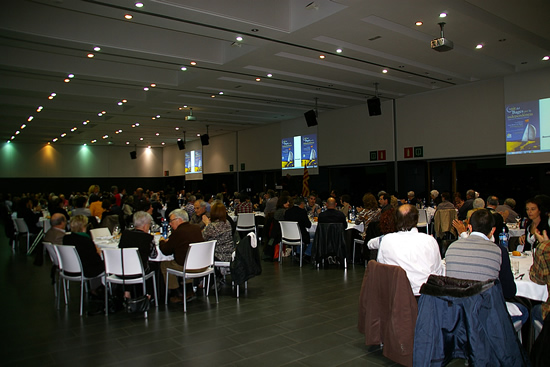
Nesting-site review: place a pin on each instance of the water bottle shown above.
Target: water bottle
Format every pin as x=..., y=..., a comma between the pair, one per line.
x=164, y=228
x=352, y=214
x=503, y=238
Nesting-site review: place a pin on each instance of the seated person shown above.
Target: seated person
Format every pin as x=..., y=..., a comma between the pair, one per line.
x=298, y=214
x=417, y=253
x=368, y=213
x=199, y=210
x=139, y=237
x=332, y=215
x=92, y=264
x=217, y=227
x=80, y=209
x=25, y=211
x=313, y=209
x=245, y=205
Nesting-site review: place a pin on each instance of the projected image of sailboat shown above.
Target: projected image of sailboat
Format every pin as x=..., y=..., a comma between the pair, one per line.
x=529, y=139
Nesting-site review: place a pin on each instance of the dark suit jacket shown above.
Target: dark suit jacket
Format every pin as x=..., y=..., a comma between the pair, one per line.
x=179, y=241
x=297, y=214
x=54, y=236
x=463, y=211
x=333, y=216
x=30, y=218
x=143, y=241
x=92, y=264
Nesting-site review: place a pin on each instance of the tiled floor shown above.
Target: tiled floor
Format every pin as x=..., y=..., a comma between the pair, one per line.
x=290, y=316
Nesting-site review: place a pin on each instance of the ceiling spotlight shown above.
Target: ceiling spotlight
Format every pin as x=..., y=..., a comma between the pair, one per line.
x=177, y=128
x=39, y=108
x=146, y=89
x=94, y=141
x=190, y=117
x=67, y=80
x=100, y=114
x=479, y=46
x=23, y=126
x=133, y=125
x=30, y=118
x=183, y=68
x=17, y=132
x=12, y=137
x=418, y=23
x=139, y=5
x=321, y=56
x=193, y=63
x=258, y=79
x=153, y=85
x=220, y=93
x=119, y=103
x=63, y=135
x=55, y=139
x=85, y=122
x=90, y=55
x=239, y=38
x=50, y=97
x=53, y=94
x=70, y=76
x=96, y=48
x=163, y=143
x=84, y=144
x=153, y=118
x=198, y=134
x=73, y=129
x=105, y=136
x=385, y=71
x=546, y=58
x=158, y=116
x=269, y=75
x=213, y=96
x=124, y=100
x=128, y=16
x=137, y=123
x=141, y=139
x=148, y=147
x=442, y=15
x=339, y=50
x=157, y=134
x=127, y=142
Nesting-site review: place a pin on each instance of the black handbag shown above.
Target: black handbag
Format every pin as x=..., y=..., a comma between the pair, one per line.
x=133, y=305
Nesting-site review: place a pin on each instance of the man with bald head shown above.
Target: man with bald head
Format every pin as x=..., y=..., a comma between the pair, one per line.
x=417, y=253
x=54, y=236
x=332, y=215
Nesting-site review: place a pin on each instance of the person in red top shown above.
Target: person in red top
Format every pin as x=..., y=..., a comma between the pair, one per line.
x=245, y=206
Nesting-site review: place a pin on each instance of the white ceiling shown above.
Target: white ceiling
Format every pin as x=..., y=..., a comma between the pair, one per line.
x=42, y=41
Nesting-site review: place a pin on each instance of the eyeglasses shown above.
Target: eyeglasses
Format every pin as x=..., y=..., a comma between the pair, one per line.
x=170, y=221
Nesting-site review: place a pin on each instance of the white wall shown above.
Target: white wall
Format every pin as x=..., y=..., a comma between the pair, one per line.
x=29, y=160
x=221, y=152
x=260, y=148
x=454, y=122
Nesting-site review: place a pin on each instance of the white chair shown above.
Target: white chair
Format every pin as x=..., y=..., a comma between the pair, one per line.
x=21, y=228
x=199, y=263
x=291, y=236
x=227, y=265
x=71, y=270
x=355, y=242
x=100, y=232
x=246, y=223
x=132, y=267
x=55, y=262
x=423, y=219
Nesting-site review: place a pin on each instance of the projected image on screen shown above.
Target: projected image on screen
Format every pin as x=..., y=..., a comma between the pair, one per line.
x=299, y=152
x=528, y=127
x=193, y=162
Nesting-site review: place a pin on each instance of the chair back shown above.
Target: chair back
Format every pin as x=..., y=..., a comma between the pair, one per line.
x=329, y=240
x=443, y=222
x=245, y=221
x=69, y=261
x=422, y=217
x=51, y=251
x=21, y=225
x=291, y=232
x=113, y=261
x=200, y=255
x=100, y=232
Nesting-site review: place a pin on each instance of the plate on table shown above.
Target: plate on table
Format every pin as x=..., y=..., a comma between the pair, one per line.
x=518, y=257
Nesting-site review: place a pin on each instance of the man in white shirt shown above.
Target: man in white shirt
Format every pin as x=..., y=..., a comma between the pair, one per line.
x=417, y=253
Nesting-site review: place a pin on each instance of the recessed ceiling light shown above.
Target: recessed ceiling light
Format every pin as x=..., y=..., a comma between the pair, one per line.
x=258, y=79
x=50, y=97
x=269, y=75
x=139, y=5
x=479, y=46
x=12, y=137
x=183, y=68
x=146, y=89
x=55, y=139
x=67, y=80
x=153, y=118
x=94, y=141
x=339, y=50
x=137, y=123
x=90, y=55
x=39, y=108
x=105, y=136
x=254, y=29
x=74, y=129
x=153, y=85
x=30, y=118
x=141, y=139
x=23, y=126
x=220, y=93
x=148, y=147
x=321, y=56
x=213, y=96
x=193, y=63
x=239, y=38
x=163, y=143
x=104, y=112
x=442, y=15
x=418, y=23
x=119, y=103
x=63, y=135
x=84, y=144
x=127, y=142
x=385, y=71
x=128, y=16
x=85, y=122
x=177, y=128
x=53, y=94
x=198, y=134
x=70, y=76
x=17, y=132
x=124, y=100
x=97, y=48
x=158, y=116
x=100, y=114
x=546, y=58
x=157, y=134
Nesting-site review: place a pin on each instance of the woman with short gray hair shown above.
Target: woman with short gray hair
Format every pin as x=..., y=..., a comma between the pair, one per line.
x=139, y=237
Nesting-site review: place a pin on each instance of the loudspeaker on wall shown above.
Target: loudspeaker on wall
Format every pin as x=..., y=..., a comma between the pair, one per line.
x=311, y=118
x=133, y=154
x=374, y=106
x=181, y=145
x=205, y=139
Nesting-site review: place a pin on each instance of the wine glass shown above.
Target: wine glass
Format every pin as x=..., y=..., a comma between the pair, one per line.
x=518, y=219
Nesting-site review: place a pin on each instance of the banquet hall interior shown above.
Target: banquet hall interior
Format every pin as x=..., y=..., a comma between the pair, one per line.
x=207, y=95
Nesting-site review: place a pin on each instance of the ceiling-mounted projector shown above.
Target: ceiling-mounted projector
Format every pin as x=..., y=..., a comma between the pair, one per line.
x=190, y=117
x=441, y=44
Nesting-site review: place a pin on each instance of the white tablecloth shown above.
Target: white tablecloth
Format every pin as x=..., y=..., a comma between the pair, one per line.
x=514, y=231
x=359, y=227
x=525, y=287
x=112, y=243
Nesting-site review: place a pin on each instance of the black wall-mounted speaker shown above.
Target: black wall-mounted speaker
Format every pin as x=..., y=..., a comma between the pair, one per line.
x=374, y=106
x=181, y=144
x=205, y=139
x=311, y=118
x=133, y=154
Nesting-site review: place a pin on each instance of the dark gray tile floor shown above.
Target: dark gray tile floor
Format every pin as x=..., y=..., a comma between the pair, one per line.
x=289, y=316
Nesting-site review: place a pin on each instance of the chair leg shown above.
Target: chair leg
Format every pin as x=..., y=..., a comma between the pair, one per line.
x=166, y=293
x=82, y=285
x=107, y=288
x=301, y=253
x=215, y=286
x=155, y=290
x=184, y=294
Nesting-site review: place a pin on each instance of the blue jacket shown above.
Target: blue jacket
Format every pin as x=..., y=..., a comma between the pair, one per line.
x=464, y=319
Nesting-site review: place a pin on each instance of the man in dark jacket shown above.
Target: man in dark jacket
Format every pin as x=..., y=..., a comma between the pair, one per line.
x=298, y=214
x=332, y=215
x=183, y=233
